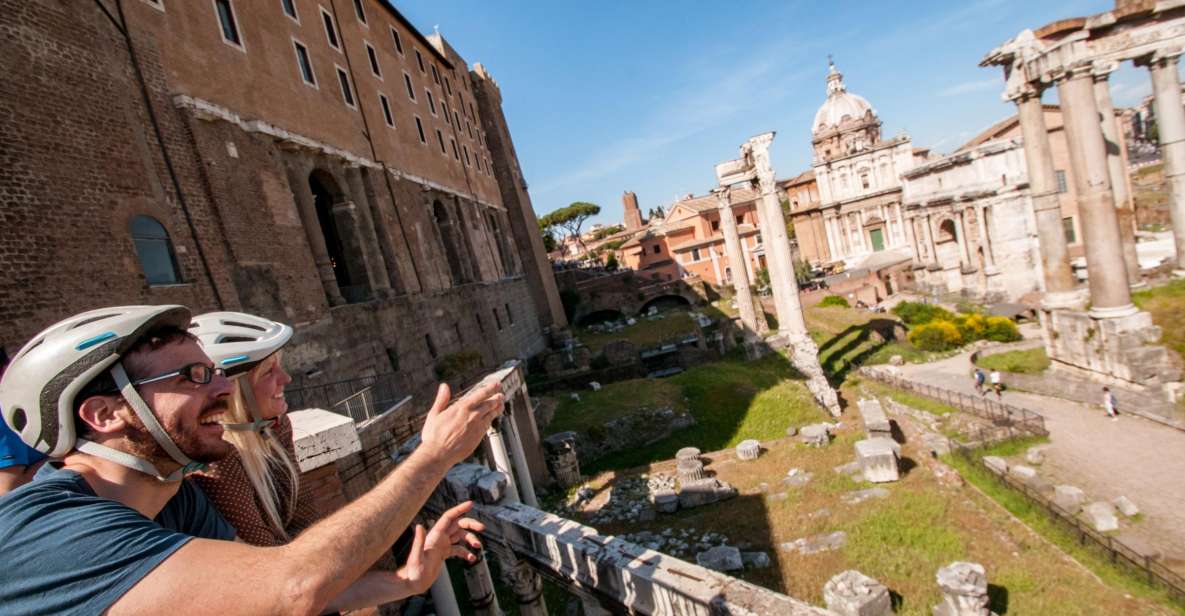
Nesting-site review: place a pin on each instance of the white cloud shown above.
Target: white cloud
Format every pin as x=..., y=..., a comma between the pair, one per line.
x=973, y=86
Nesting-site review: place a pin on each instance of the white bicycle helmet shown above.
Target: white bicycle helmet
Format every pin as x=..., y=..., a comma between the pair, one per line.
x=237, y=342
x=38, y=390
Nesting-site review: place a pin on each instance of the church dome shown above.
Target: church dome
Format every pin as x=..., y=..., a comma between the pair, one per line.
x=840, y=104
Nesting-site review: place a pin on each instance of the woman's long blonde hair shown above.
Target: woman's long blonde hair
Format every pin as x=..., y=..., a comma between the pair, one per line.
x=263, y=455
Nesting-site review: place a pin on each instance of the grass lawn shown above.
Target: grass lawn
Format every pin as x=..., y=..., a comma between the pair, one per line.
x=646, y=333
x=731, y=401
x=907, y=398
x=845, y=340
x=1166, y=303
x=1029, y=361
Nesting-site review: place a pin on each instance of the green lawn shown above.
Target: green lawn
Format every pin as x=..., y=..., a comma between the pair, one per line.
x=1029, y=361
x=1166, y=303
x=845, y=338
x=673, y=325
x=907, y=398
x=731, y=400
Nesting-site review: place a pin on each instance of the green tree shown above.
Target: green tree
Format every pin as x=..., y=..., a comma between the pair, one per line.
x=802, y=272
x=611, y=263
x=571, y=218
x=548, y=239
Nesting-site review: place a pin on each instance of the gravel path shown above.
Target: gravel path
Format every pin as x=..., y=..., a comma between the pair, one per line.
x=1132, y=457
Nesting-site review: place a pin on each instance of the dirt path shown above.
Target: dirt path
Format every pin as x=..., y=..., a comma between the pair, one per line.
x=1132, y=457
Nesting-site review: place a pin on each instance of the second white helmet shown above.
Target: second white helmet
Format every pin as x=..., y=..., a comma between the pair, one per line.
x=237, y=341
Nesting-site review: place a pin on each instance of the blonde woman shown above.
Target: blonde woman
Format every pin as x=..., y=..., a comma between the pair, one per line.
x=257, y=489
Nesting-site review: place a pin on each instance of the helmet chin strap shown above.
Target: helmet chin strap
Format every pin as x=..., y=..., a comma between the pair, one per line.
x=258, y=423
x=129, y=393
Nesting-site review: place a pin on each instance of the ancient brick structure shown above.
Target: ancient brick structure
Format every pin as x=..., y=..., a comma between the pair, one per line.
x=333, y=168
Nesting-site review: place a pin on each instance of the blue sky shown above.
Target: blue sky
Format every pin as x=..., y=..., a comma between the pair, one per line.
x=614, y=96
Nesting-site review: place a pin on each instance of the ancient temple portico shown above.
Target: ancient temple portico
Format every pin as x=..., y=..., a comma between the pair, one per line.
x=1109, y=338
x=752, y=317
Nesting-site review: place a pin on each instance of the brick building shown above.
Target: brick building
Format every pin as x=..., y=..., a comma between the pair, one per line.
x=320, y=162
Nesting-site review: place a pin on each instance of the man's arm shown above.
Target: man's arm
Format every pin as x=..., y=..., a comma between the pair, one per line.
x=303, y=576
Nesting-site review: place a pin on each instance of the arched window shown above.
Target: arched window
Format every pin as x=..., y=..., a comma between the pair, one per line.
x=155, y=251
x=446, y=228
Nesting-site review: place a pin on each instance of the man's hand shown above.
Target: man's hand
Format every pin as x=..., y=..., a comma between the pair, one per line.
x=429, y=549
x=452, y=432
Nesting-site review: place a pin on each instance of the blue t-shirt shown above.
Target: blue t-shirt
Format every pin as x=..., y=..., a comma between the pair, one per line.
x=67, y=550
x=14, y=451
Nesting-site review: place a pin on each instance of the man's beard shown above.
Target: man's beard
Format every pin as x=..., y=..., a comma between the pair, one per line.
x=186, y=438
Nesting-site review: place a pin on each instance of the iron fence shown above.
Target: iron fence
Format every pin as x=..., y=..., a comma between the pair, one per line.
x=1009, y=419
x=360, y=399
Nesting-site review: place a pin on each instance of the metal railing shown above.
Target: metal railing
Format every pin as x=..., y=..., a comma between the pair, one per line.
x=1110, y=547
x=1011, y=420
x=360, y=399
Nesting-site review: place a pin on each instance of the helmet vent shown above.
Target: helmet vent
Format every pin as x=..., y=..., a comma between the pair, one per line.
x=99, y=317
x=19, y=420
x=229, y=339
x=247, y=325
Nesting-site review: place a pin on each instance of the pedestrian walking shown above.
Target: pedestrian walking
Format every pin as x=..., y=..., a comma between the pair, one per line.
x=979, y=379
x=996, y=385
x=1110, y=404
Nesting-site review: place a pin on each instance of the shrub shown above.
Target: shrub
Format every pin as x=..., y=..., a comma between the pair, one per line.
x=971, y=326
x=938, y=335
x=835, y=300
x=1001, y=329
x=917, y=313
x=600, y=362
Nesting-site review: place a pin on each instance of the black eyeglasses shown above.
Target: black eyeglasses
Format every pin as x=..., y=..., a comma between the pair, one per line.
x=196, y=373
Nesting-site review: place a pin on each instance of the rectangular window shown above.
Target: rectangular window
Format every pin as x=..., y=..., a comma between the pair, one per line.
x=481, y=327
x=715, y=225
x=466, y=151
x=444, y=108
x=330, y=29
x=386, y=105
x=306, y=65
x=226, y=21
x=420, y=60
x=456, y=152
x=509, y=314
x=469, y=128
x=358, y=10
x=420, y=129
x=398, y=42
x=431, y=347
x=497, y=319
x=740, y=220
x=448, y=86
x=440, y=138
x=657, y=249
x=1061, y=181
x=431, y=101
x=1068, y=228
x=347, y=93
x=457, y=120
x=472, y=112
x=374, y=61
x=411, y=92
x=289, y=8
x=695, y=254
x=435, y=75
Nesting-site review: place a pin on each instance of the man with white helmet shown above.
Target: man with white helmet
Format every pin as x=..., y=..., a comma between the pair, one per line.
x=128, y=401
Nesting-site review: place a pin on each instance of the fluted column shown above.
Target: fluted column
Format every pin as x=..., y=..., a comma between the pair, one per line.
x=1059, y=279
x=1110, y=295
x=1124, y=210
x=374, y=250
x=931, y=249
x=964, y=247
x=443, y=597
x=528, y=589
x=753, y=320
x=777, y=242
x=912, y=238
x=1170, y=123
x=985, y=241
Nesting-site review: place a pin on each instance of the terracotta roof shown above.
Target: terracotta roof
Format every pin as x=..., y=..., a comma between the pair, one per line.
x=802, y=178
x=999, y=128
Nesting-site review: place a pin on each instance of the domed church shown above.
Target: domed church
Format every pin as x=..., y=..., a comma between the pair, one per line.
x=857, y=173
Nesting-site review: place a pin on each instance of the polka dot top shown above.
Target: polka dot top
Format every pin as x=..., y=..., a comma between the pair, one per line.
x=226, y=484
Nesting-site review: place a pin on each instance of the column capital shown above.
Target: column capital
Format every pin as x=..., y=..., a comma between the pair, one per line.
x=1101, y=71
x=1165, y=56
x=723, y=197
x=1077, y=70
x=1024, y=91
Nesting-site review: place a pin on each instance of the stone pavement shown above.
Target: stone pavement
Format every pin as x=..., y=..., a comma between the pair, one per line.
x=1132, y=457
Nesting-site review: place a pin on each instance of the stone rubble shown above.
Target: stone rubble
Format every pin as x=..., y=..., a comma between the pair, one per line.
x=816, y=435
x=1035, y=455
x=851, y=468
x=858, y=496
x=688, y=453
x=749, y=450
x=878, y=460
x=996, y=463
x=721, y=558
x=1069, y=498
x=852, y=593
x=796, y=478
x=1022, y=472
x=876, y=423
x=817, y=543
x=964, y=590
x=1102, y=516
x=1126, y=506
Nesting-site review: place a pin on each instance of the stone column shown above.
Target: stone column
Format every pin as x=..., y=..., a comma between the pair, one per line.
x=373, y=249
x=931, y=248
x=480, y=584
x=753, y=320
x=528, y=588
x=1110, y=295
x=777, y=242
x=1059, y=280
x=1124, y=209
x=912, y=238
x=502, y=459
x=443, y=598
x=985, y=241
x=306, y=207
x=961, y=238
x=1170, y=122
x=526, y=486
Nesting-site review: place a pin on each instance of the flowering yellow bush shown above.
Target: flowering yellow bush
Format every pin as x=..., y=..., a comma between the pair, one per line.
x=938, y=335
